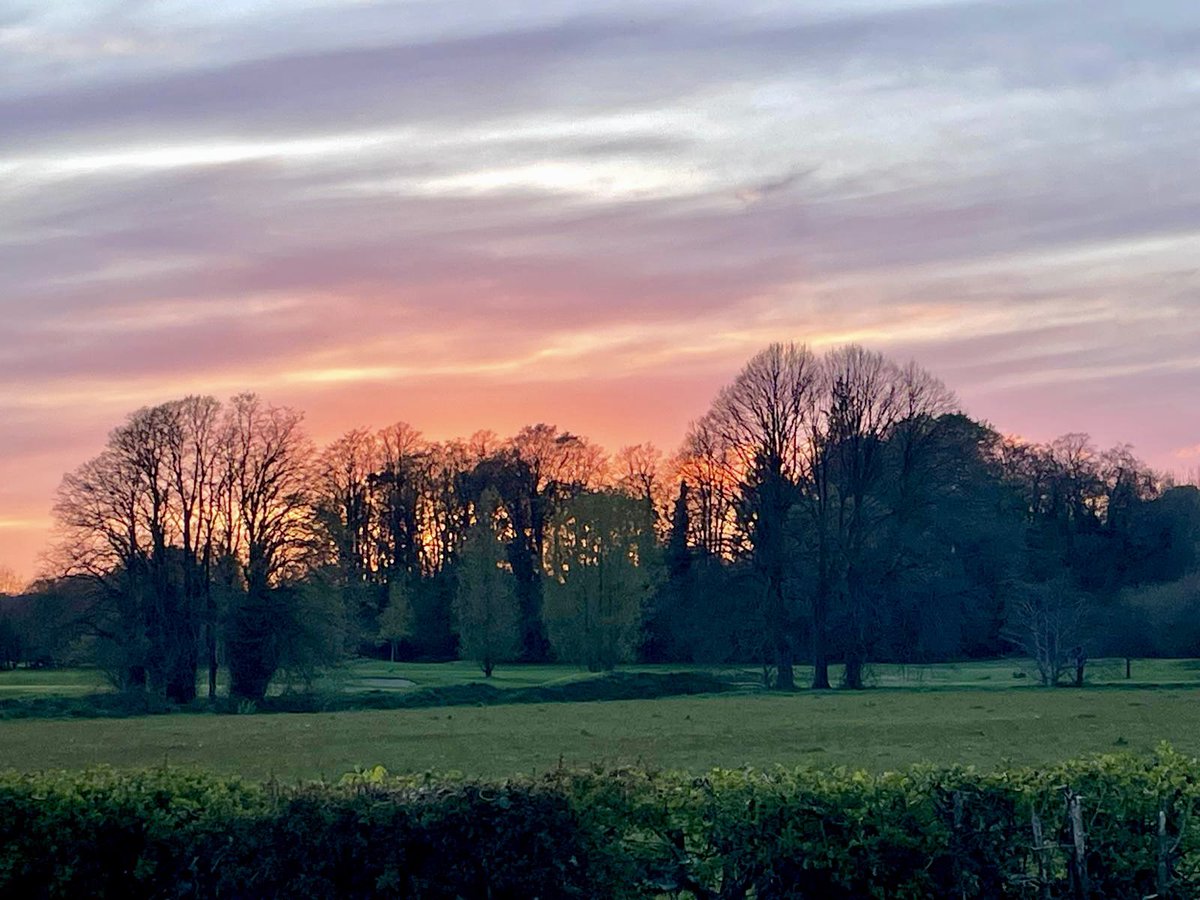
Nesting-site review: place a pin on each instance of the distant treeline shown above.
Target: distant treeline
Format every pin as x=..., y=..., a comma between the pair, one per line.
x=833, y=508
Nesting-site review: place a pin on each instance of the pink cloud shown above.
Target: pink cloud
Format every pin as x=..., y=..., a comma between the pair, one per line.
x=467, y=216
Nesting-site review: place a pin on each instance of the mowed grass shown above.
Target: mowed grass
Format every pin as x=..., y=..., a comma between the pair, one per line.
x=876, y=730
x=989, y=674
x=360, y=676
x=363, y=676
x=25, y=683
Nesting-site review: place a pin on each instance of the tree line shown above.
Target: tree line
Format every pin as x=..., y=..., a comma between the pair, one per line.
x=833, y=508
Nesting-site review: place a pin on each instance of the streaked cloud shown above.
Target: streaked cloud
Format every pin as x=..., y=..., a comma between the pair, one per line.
x=477, y=214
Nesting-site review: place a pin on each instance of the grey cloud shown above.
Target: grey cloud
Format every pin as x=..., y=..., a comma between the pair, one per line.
x=453, y=80
x=592, y=63
x=263, y=227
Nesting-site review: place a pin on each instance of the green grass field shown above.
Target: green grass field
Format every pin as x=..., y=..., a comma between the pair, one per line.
x=375, y=675
x=974, y=713
x=875, y=730
x=989, y=674
x=21, y=683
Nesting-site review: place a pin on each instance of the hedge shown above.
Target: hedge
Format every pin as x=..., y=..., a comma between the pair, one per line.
x=1106, y=827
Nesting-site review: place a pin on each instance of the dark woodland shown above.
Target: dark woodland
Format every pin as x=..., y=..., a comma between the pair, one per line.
x=833, y=509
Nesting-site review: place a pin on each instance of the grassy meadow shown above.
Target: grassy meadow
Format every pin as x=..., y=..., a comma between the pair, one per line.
x=976, y=713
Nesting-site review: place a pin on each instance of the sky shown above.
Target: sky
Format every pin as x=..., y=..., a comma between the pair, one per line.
x=486, y=214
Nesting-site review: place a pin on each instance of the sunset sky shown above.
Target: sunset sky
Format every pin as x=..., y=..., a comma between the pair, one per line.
x=484, y=214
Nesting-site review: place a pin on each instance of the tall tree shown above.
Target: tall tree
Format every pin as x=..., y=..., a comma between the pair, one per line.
x=346, y=512
x=707, y=465
x=172, y=623
x=867, y=451
x=763, y=418
x=536, y=473
x=485, y=605
x=396, y=620
x=672, y=602
x=139, y=523
x=345, y=506
x=400, y=484
x=637, y=470
x=602, y=571
x=194, y=464
x=269, y=458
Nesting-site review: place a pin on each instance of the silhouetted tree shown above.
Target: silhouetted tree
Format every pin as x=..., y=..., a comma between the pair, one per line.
x=535, y=473
x=346, y=513
x=269, y=460
x=763, y=419
x=10, y=584
x=671, y=605
x=877, y=426
x=708, y=466
x=140, y=522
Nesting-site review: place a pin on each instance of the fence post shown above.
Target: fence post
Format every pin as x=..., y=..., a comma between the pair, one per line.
x=956, y=843
x=1039, y=849
x=1079, y=877
x=1163, y=879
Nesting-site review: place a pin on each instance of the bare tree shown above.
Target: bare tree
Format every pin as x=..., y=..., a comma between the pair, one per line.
x=10, y=584
x=707, y=466
x=269, y=458
x=345, y=505
x=194, y=463
x=1047, y=622
x=637, y=470
x=448, y=502
x=146, y=441
x=138, y=523
x=101, y=540
x=867, y=449
x=764, y=419
x=400, y=485
x=346, y=509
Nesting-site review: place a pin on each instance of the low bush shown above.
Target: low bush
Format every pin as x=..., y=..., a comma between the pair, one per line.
x=1107, y=827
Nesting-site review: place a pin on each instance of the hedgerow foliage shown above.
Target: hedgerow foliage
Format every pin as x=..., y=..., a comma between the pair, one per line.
x=624, y=833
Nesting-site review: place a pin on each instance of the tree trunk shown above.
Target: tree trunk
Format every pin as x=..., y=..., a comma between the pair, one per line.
x=820, y=680
x=135, y=677
x=853, y=678
x=535, y=646
x=785, y=673
x=211, y=638
x=252, y=646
